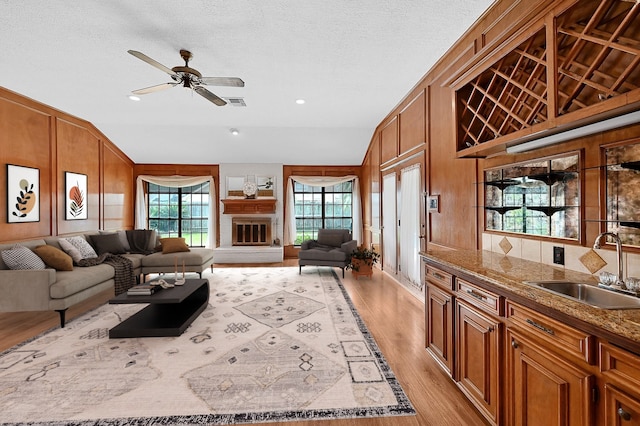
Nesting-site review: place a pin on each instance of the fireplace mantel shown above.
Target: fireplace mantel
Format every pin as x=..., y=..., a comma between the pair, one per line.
x=249, y=205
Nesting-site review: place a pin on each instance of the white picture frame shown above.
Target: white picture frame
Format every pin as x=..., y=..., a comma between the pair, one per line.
x=76, y=207
x=23, y=194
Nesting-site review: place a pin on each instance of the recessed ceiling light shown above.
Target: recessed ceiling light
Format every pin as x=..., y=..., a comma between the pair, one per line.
x=234, y=132
x=134, y=97
x=300, y=101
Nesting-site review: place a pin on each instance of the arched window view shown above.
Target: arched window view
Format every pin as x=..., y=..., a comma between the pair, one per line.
x=537, y=198
x=319, y=207
x=180, y=212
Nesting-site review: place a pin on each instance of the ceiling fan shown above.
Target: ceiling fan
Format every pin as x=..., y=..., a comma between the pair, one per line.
x=187, y=77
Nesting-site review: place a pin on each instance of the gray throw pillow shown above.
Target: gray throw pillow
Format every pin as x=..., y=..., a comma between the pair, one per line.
x=107, y=243
x=20, y=257
x=123, y=238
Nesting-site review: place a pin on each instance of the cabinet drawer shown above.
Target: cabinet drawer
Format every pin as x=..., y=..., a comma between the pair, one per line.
x=620, y=365
x=480, y=297
x=560, y=337
x=438, y=276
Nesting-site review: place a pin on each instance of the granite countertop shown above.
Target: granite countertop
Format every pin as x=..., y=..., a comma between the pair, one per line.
x=509, y=273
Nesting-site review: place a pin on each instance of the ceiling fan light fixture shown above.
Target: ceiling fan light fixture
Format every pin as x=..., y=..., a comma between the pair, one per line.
x=234, y=132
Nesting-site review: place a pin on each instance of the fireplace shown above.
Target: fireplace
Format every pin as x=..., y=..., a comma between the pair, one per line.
x=254, y=231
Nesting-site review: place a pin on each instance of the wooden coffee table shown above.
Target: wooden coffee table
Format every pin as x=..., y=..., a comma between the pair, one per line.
x=169, y=313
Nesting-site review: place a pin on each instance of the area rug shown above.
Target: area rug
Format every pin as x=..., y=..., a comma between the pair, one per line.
x=272, y=346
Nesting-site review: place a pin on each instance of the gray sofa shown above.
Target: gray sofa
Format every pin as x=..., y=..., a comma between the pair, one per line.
x=333, y=247
x=51, y=289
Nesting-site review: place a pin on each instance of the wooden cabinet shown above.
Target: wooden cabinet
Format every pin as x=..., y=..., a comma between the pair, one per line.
x=520, y=366
x=548, y=377
x=478, y=358
x=544, y=388
x=621, y=390
x=620, y=408
x=439, y=316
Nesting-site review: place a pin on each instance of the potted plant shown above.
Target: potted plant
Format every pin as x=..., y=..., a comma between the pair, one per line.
x=362, y=261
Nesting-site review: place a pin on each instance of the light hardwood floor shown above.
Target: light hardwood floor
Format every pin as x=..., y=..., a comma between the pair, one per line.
x=394, y=317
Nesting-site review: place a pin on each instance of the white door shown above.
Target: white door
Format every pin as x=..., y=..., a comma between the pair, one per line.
x=389, y=220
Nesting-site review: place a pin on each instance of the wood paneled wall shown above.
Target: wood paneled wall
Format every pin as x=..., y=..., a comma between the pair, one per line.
x=460, y=222
x=38, y=136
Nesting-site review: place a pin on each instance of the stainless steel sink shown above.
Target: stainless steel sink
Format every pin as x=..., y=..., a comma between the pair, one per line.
x=589, y=294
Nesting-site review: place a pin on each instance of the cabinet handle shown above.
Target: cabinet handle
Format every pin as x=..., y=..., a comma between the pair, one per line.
x=514, y=344
x=540, y=327
x=476, y=295
x=489, y=329
x=623, y=414
x=438, y=276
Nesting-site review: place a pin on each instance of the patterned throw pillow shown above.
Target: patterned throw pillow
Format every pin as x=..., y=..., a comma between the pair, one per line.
x=20, y=257
x=77, y=247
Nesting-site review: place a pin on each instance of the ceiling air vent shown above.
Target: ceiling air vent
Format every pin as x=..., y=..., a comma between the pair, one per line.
x=239, y=102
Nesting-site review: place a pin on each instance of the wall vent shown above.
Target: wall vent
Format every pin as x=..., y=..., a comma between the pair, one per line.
x=239, y=102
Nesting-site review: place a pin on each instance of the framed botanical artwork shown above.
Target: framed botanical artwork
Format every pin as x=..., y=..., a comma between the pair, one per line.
x=76, y=196
x=23, y=194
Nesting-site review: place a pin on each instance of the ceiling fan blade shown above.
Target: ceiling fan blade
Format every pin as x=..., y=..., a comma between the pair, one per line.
x=152, y=62
x=209, y=96
x=155, y=88
x=222, y=81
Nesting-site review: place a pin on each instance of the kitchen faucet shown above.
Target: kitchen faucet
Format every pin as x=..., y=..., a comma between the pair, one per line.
x=616, y=238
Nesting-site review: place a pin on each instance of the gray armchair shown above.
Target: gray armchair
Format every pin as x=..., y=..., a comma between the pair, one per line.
x=332, y=248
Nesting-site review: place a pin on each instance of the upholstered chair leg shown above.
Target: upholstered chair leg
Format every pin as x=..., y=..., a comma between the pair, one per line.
x=299, y=269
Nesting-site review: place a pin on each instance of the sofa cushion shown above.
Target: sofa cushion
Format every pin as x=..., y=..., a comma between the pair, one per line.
x=194, y=257
x=173, y=245
x=54, y=257
x=135, y=258
x=71, y=282
x=323, y=253
x=107, y=243
x=20, y=257
x=78, y=248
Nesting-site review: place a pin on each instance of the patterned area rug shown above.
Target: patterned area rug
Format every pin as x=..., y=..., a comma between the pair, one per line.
x=271, y=346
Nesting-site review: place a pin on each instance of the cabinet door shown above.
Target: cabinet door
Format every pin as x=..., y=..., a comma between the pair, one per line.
x=620, y=408
x=544, y=389
x=439, y=325
x=478, y=358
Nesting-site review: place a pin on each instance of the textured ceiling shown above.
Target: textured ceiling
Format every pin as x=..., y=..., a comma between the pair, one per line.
x=352, y=61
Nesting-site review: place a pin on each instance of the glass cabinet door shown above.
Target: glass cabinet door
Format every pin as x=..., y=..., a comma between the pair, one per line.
x=623, y=192
x=535, y=198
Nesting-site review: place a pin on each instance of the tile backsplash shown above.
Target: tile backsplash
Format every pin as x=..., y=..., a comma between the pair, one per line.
x=542, y=251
